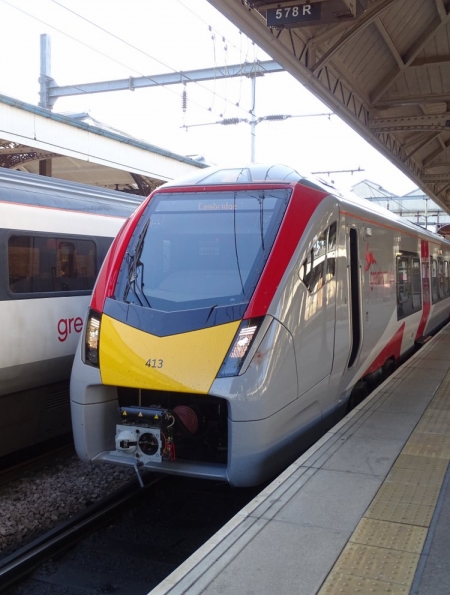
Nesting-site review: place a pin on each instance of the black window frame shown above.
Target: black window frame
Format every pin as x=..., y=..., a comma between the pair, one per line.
x=63, y=279
x=406, y=294
x=309, y=273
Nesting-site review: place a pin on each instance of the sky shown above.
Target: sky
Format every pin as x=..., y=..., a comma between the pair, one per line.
x=100, y=40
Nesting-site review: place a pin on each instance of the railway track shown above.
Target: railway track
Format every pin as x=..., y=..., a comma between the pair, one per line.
x=125, y=544
x=16, y=567
x=15, y=465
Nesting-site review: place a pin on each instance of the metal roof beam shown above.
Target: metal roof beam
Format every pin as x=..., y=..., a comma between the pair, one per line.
x=412, y=100
x=370, y=15
x=409, y=57
x=172, y=78
x=430, y=61
x=421, y=144
x=390, y=44
x=433, y=156
x=411, y=123
x=415, y=139
x=434, y=178
x=429, y=169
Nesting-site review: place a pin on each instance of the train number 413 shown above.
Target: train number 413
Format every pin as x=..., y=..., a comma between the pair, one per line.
x=155, y=363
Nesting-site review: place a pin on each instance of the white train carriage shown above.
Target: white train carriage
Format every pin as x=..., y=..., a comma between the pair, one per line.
x=53, y=238
x=237, y=316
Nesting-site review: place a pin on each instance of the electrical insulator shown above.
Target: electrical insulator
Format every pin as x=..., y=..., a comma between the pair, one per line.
x=228, y=121
x=184, y=99
x=276, y=117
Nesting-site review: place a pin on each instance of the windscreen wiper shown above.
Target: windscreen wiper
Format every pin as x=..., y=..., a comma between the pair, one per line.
x=135, y=263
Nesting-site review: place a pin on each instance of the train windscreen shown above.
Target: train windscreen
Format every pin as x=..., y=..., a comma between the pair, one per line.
x=194, y=250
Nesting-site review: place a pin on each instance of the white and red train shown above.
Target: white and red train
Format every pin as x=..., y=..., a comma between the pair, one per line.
x=236, y=316
x=54, y=236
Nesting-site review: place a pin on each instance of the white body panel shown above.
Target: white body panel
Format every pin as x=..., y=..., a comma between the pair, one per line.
x=43, y=219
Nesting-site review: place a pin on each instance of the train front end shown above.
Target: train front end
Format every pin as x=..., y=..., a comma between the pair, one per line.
x=167, y=375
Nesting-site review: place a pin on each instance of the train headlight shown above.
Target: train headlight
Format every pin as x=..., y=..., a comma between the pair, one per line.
x=91, y=340
x=240, y=347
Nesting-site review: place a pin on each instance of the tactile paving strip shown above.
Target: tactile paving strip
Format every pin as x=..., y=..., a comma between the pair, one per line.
x=399, y=512
x=436, y=467
x=395, y=536
x=344, y=584
x=382, y=554
x=435, y=421
x=393, y=566
x=425, y=495
x=428, y=445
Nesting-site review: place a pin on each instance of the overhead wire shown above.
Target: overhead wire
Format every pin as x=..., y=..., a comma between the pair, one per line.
x=82, y=91
x=136, y=49
x=228, y=43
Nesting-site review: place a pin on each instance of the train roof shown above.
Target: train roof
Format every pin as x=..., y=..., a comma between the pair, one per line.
x=278, y=173
x=247, y=174
x=36, y=190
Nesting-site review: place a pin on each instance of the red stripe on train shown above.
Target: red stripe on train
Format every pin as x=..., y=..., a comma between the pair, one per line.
x=392, y=349
x=302, y=205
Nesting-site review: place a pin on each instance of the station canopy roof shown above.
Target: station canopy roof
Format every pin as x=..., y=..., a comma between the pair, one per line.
x=381, y=65
x=77, y=148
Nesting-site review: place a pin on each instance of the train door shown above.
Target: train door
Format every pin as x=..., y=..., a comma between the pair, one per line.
x=354, y=281
x=426, y=297
x=349, y=330
x=314, y=344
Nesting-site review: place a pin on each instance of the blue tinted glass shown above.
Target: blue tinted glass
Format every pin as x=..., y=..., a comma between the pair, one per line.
x=202, y=249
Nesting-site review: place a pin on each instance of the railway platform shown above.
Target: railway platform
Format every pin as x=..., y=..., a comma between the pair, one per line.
x=365, y=510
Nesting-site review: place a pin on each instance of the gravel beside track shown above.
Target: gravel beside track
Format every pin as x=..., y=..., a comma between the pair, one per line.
x=42, y=498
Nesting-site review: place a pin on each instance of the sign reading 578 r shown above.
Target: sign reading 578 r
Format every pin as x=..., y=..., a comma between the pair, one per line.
x=302, y=13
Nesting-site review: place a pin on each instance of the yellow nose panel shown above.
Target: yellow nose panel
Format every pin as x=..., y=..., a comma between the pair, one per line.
x=187, y=362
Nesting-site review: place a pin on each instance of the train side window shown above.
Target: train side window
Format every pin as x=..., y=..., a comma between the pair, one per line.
x=446, y=284
x=320, y=264
x=441, y=290
x=331, y=252
x=403, y=282
x=409, y=284
x=45, y=264
x=305, y=271
x=23, y=263
x=434, y=280
x=416, y=285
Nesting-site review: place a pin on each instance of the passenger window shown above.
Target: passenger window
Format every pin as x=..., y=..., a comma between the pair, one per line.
x=320, y=265
x=46, y=264
x=305, y=273
x=402, y=280
x=331, y=252
x=441, y=290
x=416, y=287
x=434, y=281
x=409, y=288
x=446, y=285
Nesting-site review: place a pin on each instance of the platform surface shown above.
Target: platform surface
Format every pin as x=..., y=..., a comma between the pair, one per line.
x=365, y=510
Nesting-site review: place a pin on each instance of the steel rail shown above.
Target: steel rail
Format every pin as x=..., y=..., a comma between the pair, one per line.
x=14, y=567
